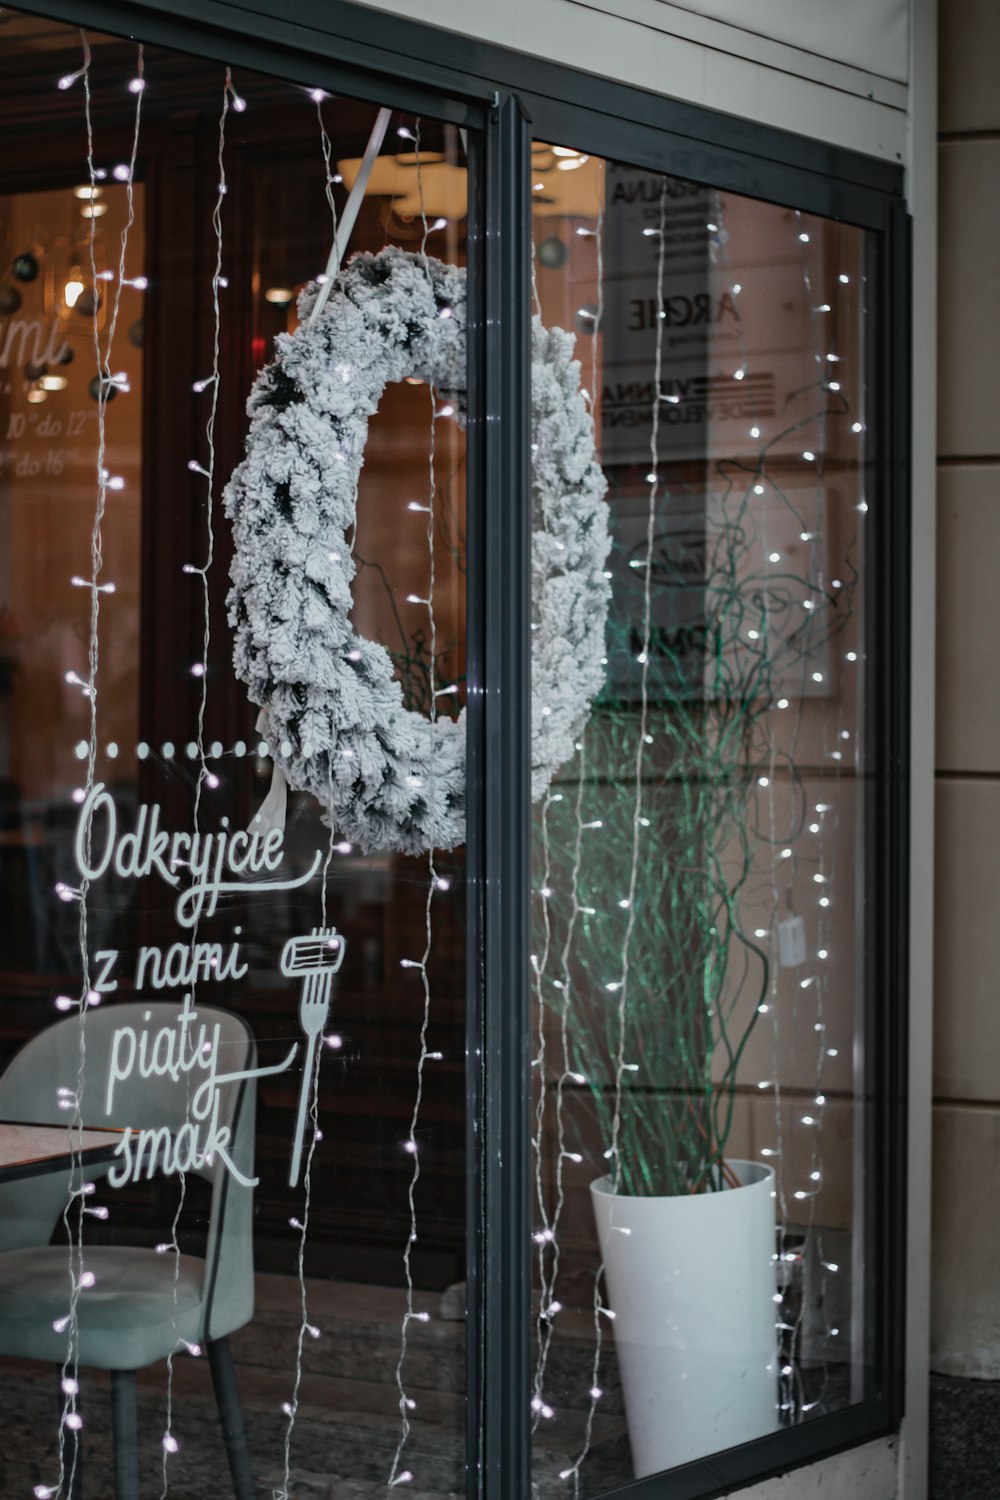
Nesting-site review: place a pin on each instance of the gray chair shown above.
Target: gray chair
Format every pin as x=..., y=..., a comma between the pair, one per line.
x=134, y=1315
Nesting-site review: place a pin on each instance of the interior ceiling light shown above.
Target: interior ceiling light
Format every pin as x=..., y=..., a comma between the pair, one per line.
x=53, y=382
x=93, y=210
x=572, y=193
x=85, y=190
x=281, y=295
x=73, y=290
x=445, y=187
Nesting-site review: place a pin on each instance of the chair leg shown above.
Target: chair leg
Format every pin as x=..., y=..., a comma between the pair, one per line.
x=227, y=1395
x=70, y=1447
x=125, y=1432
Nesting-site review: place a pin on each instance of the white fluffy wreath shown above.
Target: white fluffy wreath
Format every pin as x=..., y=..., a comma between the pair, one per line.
x=388, y=778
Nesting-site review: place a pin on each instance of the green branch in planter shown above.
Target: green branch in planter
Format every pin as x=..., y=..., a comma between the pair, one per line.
x=694, y=978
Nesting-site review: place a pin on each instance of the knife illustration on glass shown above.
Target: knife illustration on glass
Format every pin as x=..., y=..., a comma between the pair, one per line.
x=315, y=957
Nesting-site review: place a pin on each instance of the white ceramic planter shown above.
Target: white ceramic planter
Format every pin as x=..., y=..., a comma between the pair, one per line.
x=691, y=1283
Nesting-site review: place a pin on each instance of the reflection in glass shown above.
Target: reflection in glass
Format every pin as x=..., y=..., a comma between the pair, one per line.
x=700, y=1087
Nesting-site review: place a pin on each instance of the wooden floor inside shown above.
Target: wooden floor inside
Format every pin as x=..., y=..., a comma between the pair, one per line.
x=348, y=1422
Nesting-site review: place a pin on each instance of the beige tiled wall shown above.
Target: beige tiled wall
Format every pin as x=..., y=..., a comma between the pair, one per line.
x=965, y=1313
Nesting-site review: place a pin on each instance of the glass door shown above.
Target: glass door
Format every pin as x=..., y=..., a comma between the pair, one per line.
x=704, y=1141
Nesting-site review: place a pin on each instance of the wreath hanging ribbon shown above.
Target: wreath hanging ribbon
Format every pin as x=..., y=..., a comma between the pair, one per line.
x=332, y=710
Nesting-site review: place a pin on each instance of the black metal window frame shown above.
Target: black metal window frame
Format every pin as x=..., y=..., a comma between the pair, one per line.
x=505, y=99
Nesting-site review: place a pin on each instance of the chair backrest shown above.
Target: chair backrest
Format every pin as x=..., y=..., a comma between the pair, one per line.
x=53, y=1061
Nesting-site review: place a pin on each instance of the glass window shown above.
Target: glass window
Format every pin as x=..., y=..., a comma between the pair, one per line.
x=262, y=1086
x=271, y=1011
x=702, y=1127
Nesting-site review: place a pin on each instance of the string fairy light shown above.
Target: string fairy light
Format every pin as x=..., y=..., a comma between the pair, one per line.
x=547, y=1238
x=769, y=783
x=794, y=1245
x=791, y=1398
x=199, y=670
x=545, y=1235
x=80, y=1278
x=306, y=1327
x=612, y=1154
x=326, y=147
x=397, y=1474
x=400, y=1476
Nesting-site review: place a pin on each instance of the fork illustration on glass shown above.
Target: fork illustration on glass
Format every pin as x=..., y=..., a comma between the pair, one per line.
x=317, y=957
